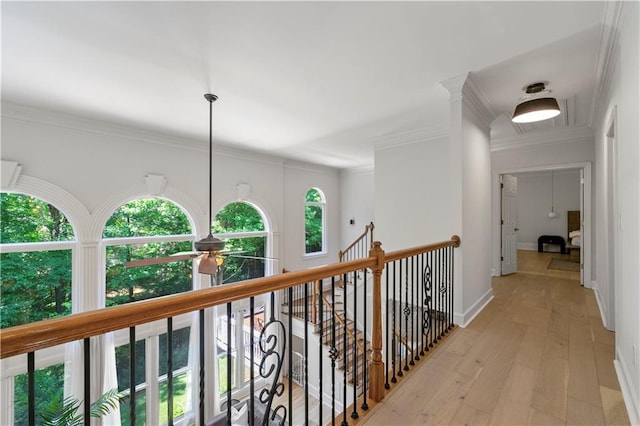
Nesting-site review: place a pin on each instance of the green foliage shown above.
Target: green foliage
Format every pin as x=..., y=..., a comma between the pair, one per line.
x=237, y=217
x=34, y=285
x=69, y=411
x=313, y=196
x=146, y=217
x=49, y=388
x=25, y=219
x=313, y=228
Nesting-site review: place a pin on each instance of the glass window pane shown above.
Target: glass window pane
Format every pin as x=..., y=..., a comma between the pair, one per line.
x=25, y=219
x=237, y=217
x=126, y=285
x=147, y=217
x=313, y=229
x=49, y=386
x=180, y=356
x=313, y=196
x=242, y=265
x=35, y=286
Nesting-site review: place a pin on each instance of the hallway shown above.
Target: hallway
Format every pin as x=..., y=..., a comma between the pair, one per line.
x=537, y=354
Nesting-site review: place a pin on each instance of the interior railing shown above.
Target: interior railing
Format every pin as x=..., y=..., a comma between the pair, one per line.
x=360, y=247
x=339, y=376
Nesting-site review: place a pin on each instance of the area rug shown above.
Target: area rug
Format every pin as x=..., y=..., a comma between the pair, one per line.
x=564, y=264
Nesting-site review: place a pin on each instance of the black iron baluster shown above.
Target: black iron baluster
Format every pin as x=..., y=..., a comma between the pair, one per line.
x=252, y=391
x=344, y=351
x=412, y=305
x=230, y=363
x=436, y=296
x=320, y=345
x=333, y=353
x=415, y=260
x=421, y=299
x=31, y=386
x=451, y=254
x=431, y=302
x=406, y=312
x=87, y=382
x=290, y=390
x=354, y=353
x=388, y=339
x=394, y=346
x=201, y=355
x=132, y=376
x=365, y=364
x=274, y=356
x=400, y=307
x=306, y=353
x=170, y=370
x=443, y=289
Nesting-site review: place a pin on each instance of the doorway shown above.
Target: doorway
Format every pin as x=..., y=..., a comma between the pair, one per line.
x=583, y=173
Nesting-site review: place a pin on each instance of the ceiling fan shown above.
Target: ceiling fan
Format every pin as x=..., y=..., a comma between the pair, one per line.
x=208, y=249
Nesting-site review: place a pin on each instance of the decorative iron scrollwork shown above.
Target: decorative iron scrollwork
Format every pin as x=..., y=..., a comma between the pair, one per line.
x=426, y=311
x=271, y=366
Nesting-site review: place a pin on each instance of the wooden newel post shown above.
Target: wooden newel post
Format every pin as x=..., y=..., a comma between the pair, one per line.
x=376, y=366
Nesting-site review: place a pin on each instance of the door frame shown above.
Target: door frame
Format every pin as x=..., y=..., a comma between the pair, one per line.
x=586, y=214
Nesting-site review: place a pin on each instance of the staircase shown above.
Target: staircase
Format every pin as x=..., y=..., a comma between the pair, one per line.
x=345, y=332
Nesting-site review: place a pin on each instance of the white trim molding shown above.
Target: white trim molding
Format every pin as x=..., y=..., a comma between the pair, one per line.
x=464, y=319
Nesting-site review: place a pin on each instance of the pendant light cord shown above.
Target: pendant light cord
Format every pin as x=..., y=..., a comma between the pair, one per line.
x=210, y=160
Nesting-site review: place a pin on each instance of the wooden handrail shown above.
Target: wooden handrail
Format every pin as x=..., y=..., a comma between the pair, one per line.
x=43, y=334
x=367, y=229
x=413, y=251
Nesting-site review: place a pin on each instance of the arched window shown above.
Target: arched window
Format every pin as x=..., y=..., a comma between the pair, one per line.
x=140, y=230
x=37, y=242
x=242, y=227
x=148, y=229
x=314, y=222
x=245, y=234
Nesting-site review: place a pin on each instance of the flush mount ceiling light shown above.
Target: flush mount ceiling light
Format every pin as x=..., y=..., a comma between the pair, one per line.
x=536, y=109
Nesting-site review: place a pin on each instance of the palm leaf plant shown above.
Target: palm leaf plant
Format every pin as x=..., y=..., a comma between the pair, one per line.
x=67, y=412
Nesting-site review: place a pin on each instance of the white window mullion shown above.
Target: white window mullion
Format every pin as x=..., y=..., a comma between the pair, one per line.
x=7, y=396
x=152, y=353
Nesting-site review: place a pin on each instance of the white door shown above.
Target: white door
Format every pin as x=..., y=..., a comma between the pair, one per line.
x=509, y=190
x=582, y=248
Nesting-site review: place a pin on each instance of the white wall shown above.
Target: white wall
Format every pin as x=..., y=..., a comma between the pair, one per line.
x=534, y=204
x=620, y=107
x=357, y=197
x=101, y=166
x=412, y=194
x=558, y=150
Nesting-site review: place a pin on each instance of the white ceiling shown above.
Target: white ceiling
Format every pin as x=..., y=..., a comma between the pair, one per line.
x=316, y=81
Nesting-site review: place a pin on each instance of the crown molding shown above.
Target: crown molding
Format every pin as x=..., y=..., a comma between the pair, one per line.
x=409, y=137
x=578, y=134
x=362, y=170
x=29, y=114
x=478, y=102
x=607, y=54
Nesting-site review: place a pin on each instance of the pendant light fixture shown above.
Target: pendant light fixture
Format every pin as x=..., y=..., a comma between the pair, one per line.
x=209, y=243
x=535, y=109
x=552, y=213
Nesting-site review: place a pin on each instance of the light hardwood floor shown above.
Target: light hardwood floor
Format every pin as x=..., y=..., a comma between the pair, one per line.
x=536, y=355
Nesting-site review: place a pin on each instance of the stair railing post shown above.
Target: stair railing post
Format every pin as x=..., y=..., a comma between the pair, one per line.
x=376, y=378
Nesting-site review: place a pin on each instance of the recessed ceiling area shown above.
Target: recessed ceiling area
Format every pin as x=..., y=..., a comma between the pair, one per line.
x=321, y=82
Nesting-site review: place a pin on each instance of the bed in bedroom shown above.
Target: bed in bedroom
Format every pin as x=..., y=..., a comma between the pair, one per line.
x=574, y=240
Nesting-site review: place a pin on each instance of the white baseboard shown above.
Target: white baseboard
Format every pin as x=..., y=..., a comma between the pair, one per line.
x=465, y=319
x=628, y=393
x=601, y=305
